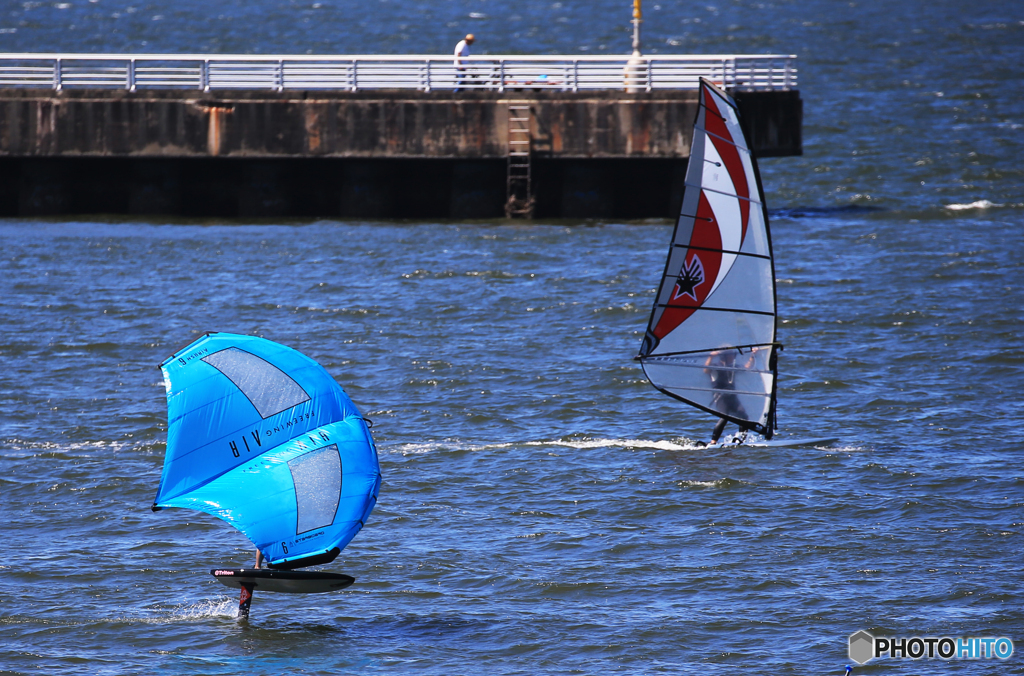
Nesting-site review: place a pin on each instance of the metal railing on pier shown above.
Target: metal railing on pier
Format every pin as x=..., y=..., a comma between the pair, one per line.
x=424, y=73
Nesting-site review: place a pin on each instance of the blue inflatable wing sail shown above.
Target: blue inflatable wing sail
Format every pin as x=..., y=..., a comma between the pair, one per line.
x=263, y=437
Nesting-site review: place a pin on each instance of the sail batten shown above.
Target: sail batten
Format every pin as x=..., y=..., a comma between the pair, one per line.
x=723, y=139
x=753, y=393
x=708, y=308
x=710, y=340
x=666, y=356
x=724, y=251
x=749, y=200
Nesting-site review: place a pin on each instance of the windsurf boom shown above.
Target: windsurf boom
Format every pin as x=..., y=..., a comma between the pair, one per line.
x=264, y=438
x=710, y=341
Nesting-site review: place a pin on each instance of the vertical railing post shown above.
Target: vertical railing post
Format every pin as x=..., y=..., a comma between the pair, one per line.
x=57, y=83
x=280, y=75
x=130, y=80
x=204, y=75
x=355, y=75
x=501, y=75
x=575, y=75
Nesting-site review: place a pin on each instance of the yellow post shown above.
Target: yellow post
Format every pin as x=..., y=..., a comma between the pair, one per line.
x=636, y=27
x=636, y=66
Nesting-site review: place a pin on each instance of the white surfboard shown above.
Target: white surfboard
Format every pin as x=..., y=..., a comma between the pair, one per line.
x=784, y=443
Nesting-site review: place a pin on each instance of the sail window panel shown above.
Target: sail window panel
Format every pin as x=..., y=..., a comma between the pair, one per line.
x=267, y=387
x=684, y=377
x=744, y=406
x=317, y=479
x=748, y=406
x=749, y=399
x=712, y=330
x=747, y=287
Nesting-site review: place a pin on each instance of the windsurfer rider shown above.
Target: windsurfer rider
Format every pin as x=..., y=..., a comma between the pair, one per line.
x=722, y=370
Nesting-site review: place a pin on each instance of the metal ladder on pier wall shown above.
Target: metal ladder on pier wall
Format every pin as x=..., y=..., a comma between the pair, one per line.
x=519, y=203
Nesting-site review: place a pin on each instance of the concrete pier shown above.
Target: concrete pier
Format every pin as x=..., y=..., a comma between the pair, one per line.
x=364, y=154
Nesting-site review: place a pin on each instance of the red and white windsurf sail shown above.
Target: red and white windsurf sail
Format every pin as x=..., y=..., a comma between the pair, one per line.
x=711, y=337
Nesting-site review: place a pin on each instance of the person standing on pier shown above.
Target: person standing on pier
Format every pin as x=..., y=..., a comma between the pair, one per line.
x=461, y=51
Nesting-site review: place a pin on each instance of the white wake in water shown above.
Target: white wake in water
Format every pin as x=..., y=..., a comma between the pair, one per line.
x=980, y=204
x=613, y=443
x=224, y=607
x=581, y=443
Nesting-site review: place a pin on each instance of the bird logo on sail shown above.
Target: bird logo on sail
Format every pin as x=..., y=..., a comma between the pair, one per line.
x=690, y=277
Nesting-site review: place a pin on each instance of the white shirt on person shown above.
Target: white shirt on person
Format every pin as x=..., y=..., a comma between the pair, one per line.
x=461, y=50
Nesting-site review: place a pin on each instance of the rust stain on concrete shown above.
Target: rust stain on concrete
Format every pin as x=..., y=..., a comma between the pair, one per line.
x=216, y=118
x=313, y=124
